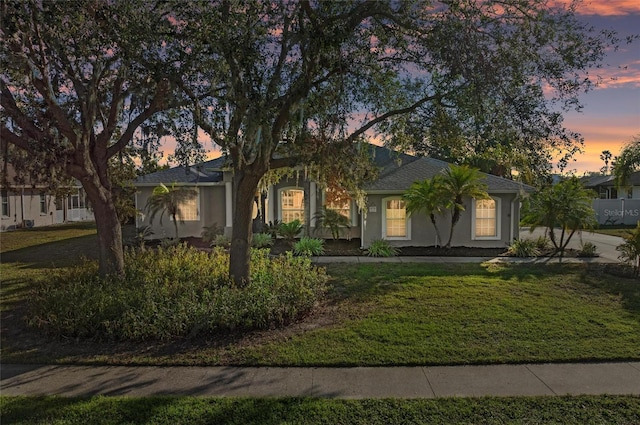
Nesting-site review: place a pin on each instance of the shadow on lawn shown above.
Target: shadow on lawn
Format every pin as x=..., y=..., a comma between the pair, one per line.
x=61, y=253
x=619, y=285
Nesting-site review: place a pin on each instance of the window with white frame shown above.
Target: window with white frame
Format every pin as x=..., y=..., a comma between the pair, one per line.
x=395, y=223
x=76, y=200
x=486, y=214
x=189, y=210
x=5, y=204
x=292, y=205
x=43, y=203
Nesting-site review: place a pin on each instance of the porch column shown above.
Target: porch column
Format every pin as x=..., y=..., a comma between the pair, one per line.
x=312, y=204
x=271, y=204
x=228, y=203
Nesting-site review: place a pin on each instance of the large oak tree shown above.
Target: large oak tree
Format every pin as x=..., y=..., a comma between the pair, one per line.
x=78, y=79
x=287, y=81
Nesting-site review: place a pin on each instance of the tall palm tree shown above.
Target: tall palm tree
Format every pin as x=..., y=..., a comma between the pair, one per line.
x=168, y=200
x=427, y=196
x=460, y=182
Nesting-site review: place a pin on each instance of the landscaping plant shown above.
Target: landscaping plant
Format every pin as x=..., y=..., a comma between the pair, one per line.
x=630, y=249
x=523, y=248
x=309, y=247
x=381, y=248
x=261, y=240
x=289, y=231
x=175, y=292
x=334, y=221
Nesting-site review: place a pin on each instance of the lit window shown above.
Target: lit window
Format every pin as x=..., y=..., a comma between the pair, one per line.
x=486, y=218
x=292, y=205
x=5, y=204
x=189, y=209
x=395, y=219
x=338, y=199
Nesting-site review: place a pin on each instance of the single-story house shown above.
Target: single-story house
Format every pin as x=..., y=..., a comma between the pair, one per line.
x=486, y=223
x=26, y=205
x=605, y=186
x=615, y=206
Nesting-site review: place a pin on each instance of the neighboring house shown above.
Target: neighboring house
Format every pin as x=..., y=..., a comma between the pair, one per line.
x=615, y=206
x=28, y=205
x=487, y=223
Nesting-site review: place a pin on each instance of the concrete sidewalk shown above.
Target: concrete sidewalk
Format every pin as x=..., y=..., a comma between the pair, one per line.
x=621, y=378
x=457, y=260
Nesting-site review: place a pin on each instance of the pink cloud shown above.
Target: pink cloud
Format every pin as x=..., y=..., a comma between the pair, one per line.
x=603, y=7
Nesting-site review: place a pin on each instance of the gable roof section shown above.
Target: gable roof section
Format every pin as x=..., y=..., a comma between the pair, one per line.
x=401, y=178
x=205, y=172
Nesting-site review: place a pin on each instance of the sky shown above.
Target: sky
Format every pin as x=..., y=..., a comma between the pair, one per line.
x=610, y=117
x=611, y=113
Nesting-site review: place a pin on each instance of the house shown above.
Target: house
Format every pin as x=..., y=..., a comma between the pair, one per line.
x=488, y=223
x=615, y=206
x=26, y=205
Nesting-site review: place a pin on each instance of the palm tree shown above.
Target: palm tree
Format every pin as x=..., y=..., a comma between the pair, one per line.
x=460, y=182
x=566, y=205
x=168, y=200
x=427, y=196
x=627, y=162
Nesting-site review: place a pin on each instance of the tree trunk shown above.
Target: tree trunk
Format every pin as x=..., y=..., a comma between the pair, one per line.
x=438, y=238
x=111, y=256
x=245, y=186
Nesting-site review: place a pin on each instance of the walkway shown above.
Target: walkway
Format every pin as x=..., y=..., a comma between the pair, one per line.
x=361, y=382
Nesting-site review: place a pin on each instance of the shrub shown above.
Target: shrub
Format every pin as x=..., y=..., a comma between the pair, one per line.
x=272, y=228
x=221, y=241
x=209, y=233
x=309, y=246
x=261, y=240
x=542, y=243
x=381, y=248
x=334, y=221
x=290, y=230
x=168, y=242
x=630, y=249
x=175, y=292
x=588, y=250
x=524, y=248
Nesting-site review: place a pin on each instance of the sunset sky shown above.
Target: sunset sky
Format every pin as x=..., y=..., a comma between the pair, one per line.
x=611, y=113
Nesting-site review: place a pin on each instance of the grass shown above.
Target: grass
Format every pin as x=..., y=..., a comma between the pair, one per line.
x=620, y=230
x=187, y=410
x=377, y=314
x=400, y=314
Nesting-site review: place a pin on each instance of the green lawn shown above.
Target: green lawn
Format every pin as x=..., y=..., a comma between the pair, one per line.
x=184, y=410
x=457, y=314
x=377, y=314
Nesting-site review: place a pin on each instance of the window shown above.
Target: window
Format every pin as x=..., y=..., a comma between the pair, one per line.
x=292, y=205
x=395, y=221
x=76, y=200
x=486, y=217
x=338, y=199
x=43, y=203
x=189, y=209
x=5, y=204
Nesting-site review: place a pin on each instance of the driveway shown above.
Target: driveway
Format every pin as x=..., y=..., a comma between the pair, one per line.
x=606, y=244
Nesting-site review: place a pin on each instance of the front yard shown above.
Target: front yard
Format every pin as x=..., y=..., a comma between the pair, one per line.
x=375, y=314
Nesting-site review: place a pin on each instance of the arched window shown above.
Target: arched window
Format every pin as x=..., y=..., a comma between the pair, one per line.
x=291, y=205
x=486, y=219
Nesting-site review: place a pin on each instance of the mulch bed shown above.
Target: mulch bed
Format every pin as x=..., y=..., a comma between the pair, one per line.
x=350, y=248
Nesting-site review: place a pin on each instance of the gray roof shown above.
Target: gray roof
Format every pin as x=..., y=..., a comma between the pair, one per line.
x=401, y=178
x=397, y=172
x=593, y=181
x=205, y=172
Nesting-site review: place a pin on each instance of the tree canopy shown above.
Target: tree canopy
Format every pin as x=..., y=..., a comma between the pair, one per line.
x=289, y=83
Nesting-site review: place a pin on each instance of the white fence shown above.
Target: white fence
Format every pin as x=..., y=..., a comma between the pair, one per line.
x=617, y=211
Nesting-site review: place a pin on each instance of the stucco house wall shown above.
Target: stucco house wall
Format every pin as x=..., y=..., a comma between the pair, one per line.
x=397, y=173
